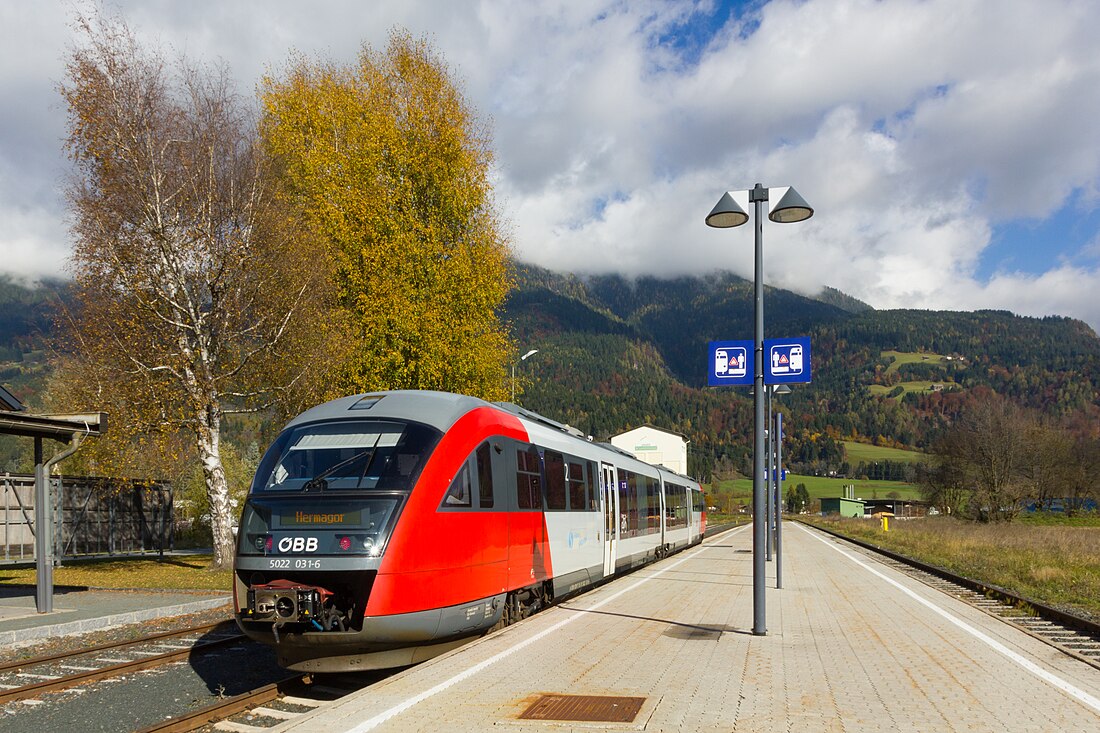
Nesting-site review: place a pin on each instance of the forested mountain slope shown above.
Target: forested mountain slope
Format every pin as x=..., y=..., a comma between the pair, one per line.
x=615, y=353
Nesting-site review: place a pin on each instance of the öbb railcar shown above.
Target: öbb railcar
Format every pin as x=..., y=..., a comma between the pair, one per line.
x=384, y=529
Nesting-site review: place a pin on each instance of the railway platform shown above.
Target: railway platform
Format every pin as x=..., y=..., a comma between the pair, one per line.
x=82, y=610
x=852, y=645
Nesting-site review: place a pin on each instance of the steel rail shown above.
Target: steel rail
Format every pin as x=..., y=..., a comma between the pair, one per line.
x=110, y=645
x=61, y=683
x=225, y=708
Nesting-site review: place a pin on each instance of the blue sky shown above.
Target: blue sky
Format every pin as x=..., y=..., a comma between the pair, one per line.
x=949, y=148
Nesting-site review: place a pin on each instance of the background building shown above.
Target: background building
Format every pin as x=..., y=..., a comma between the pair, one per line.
x=655, y=446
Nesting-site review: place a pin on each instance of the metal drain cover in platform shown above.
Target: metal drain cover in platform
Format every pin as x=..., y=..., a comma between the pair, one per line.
x=586, y=708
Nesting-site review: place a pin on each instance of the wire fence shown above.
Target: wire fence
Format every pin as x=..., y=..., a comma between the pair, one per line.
x=93, y=517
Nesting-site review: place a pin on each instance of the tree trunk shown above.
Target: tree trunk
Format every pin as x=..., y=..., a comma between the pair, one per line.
x=217, y=487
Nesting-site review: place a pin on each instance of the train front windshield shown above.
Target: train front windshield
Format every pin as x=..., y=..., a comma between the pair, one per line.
x=333, y=488
x=346, y=456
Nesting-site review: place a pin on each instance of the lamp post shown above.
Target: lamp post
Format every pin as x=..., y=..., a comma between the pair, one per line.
x=772, y=468
x=532, y=352
x=789, y=207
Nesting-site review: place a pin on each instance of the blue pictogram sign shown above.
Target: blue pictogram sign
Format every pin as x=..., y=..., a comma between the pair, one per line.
x=787, y=361
x=730, y=363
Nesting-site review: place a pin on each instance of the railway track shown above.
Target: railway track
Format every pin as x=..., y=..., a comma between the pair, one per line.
x=267, y=706
x=273, y=704
x=32, y=677
x=1071, y=634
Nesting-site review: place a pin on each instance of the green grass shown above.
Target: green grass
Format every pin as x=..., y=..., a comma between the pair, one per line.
x=862, y=452
x=1057, y=565
x=904, y=357
x=191, y=572
x=820, y=486
x=894, y=361
x=907, y=387
x=1058, y=519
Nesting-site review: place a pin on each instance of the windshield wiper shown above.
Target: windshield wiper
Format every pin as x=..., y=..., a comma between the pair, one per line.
x=318, y=481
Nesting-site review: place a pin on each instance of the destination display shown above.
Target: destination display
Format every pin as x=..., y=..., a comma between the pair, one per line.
x=305, y=518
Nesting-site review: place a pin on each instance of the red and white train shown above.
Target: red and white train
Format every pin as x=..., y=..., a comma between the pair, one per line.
x=387, y=528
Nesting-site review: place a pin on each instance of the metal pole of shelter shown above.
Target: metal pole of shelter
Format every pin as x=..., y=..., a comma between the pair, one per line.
x=758, y=196
x=43, y=534
x=778, y=498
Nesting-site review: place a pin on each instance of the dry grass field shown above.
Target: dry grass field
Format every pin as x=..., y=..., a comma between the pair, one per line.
x=1055, y=564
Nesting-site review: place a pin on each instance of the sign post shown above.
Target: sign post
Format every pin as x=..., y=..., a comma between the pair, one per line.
x=778, y=498
x=787, y=207
x=784, y=361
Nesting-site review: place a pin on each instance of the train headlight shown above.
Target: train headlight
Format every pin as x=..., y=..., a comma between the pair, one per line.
x=263, y=542
x=345, y=543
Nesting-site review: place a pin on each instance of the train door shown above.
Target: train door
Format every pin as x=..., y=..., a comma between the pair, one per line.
x=662, y=512
x=610, y=517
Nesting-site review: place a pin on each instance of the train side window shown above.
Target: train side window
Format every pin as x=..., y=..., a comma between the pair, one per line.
x=528, y=478
x=675, y=506
x=485, y=476
x=578, y=488
x=628, y=504
x=460, y=494
x=653, y=505
x=555, y=480
x=593, y=488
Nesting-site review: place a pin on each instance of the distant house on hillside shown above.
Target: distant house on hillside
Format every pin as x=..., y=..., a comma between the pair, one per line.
x=655, y=446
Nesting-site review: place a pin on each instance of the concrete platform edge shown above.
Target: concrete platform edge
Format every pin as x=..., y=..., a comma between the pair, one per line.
x=26, y=637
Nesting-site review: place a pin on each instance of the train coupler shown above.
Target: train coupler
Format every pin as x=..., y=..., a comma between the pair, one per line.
x=286, y=602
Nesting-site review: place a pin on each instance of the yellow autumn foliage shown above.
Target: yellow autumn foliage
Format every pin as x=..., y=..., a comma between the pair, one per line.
x=389, y=166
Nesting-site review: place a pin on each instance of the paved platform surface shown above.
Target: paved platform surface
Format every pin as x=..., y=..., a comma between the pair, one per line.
x=851, y=646
x=79, y=611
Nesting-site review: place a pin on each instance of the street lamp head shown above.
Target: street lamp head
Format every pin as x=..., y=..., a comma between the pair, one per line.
x=726, y=213
x=781, y=389
x=791, y=208
x=532, y=352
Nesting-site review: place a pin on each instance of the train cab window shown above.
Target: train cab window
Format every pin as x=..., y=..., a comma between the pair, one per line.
x=528, y=478
x=555, y=480
x=485, y=476
x=460, y=494
x=474, y=479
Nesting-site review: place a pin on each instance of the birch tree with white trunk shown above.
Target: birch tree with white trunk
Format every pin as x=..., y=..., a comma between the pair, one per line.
x=197, y=292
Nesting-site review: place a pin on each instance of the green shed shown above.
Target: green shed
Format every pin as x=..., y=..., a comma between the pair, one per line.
x=843, y=507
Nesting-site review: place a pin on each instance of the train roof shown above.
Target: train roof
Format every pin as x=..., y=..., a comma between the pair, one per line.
x=437, y=409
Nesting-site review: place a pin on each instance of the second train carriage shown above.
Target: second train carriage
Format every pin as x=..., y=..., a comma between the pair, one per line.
x=383, y=529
